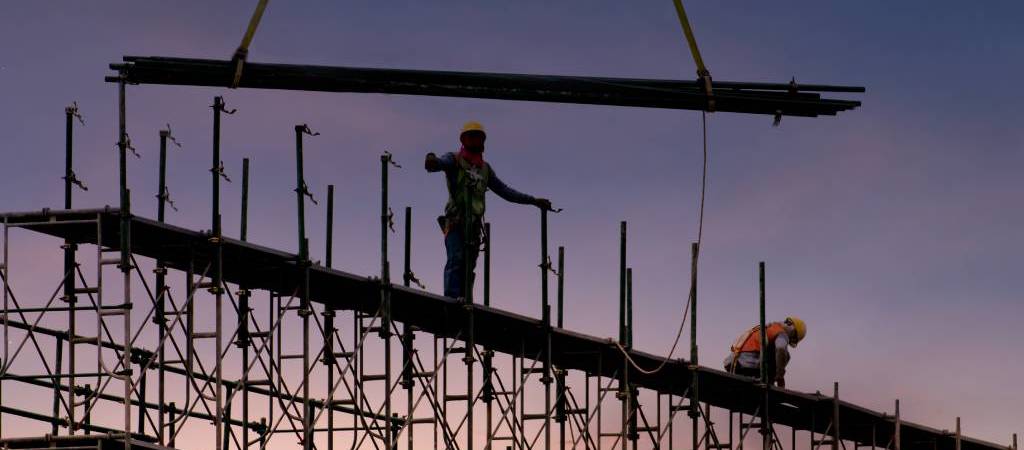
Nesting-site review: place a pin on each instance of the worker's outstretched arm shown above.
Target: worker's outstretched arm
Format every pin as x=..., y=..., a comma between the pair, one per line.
x=434, y=163
x=781, y=359
x=511, y=195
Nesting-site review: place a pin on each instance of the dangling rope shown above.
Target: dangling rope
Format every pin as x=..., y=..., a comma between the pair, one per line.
x=705, y=78
x=700, y=236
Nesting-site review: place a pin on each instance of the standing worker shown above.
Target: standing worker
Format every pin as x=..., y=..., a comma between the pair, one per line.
x=745, y=354
x=469, y=178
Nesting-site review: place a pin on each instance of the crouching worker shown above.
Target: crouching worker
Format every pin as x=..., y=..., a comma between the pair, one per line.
x=468, y=178
x=745, y=354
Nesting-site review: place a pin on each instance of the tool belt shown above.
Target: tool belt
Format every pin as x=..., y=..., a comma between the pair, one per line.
x=448, y=223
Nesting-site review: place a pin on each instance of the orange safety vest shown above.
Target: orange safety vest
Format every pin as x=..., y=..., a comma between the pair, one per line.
x=751, y=340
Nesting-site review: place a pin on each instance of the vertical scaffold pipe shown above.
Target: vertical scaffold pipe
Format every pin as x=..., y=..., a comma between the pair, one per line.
x=244, y=231
x=142, y=410
x=55, y=423
x=545, y=267
x=161, y=290
x=330, y=362
x=304, y=308
x=69, y=173
x=407, y=246
x=488, y=355
x=218, y=266
x=69, y=259
x=385, y=297
x=226, y=438
x=329, y=328
x=469, y=359
x=407, y=332
x=170, y=419
x=835, y=416
x=623, y=392
x=764, y=335
x=244, y=342
x=4, y=285
x=125, y=263
x=215, y=169
x=300, y=188
x=561, y=287
x=472, y=240
x=633, y=434
x=957, y=434
x=545, y=263
x=161, y=205
x=560, y=389
x=329, y=232
x=765, y=383
x=190, y=328
x=122, y=150
x=622, y=282
x=629, y=307
x=694, y=364
x=487, y=264
x=899, y=424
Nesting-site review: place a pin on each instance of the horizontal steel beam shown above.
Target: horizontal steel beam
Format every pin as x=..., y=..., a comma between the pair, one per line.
x=143, y=354
x=751, y=98
x=62, y=422
x=262, y=268
x=134, y=402
x=105, y=438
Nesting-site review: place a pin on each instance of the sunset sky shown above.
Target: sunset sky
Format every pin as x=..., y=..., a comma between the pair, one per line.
x=894, y=229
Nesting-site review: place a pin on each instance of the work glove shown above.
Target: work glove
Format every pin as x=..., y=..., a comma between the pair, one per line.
x=431, y=163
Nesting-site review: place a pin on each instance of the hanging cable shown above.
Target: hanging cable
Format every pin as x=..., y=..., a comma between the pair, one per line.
x=705, y=79
x=700, y=236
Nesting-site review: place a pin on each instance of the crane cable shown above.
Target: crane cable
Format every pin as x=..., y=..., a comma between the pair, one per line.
x=700, y=235
x=243, y=48
x=703, y=74
x=704, y=77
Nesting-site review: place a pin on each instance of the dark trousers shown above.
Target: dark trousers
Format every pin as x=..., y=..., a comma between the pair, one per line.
x=459, y=257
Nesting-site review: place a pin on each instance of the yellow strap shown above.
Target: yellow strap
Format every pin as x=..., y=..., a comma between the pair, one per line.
x=243, y=48
x=685, y=22
x=702, y=70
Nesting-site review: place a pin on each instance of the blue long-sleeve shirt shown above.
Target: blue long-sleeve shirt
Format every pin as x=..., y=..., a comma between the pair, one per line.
x=494, y=184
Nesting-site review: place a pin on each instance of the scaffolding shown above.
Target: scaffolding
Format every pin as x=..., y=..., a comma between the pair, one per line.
x=288, y=360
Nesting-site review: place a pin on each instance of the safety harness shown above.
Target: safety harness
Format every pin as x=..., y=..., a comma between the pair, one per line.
x=468, y=188
x=750, y=341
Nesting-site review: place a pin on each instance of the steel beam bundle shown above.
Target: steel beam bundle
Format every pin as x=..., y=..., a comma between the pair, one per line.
x=776, y=99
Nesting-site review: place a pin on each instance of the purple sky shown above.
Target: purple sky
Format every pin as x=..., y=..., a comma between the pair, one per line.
x=894, y=229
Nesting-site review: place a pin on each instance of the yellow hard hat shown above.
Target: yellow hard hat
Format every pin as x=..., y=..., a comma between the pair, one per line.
x=799, y=326
x=472, y=126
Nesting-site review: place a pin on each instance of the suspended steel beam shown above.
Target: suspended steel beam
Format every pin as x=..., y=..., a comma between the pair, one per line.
x=785, y=99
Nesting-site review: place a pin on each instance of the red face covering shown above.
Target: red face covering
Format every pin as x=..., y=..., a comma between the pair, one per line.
x=476, y=159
